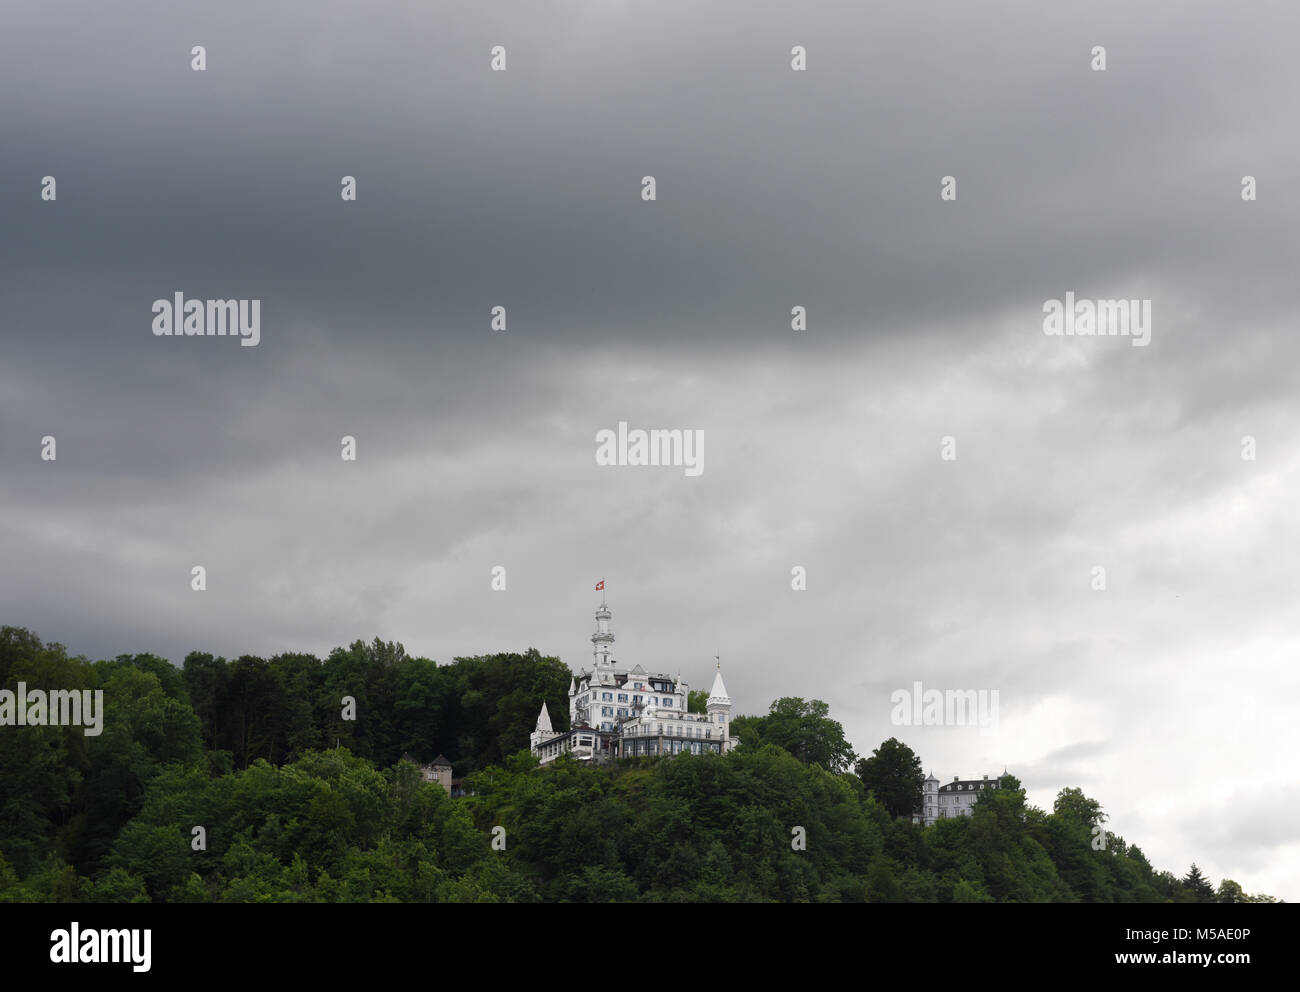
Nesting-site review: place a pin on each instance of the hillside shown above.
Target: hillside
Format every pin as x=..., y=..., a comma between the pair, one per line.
x=245, y=751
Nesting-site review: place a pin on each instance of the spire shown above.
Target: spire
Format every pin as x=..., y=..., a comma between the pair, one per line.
x=544, y=720
x=718, y=694
x=573, y=687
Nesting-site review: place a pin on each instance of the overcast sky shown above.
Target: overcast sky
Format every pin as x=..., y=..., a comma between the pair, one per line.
x=1170, y=696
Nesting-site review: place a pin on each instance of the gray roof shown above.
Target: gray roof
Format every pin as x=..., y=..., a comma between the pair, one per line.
x=970, y=785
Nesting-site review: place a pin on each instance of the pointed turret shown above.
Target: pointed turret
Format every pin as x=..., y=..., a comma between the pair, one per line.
x=718, y=706
x=544, y=720
x=718, y=694
x=544, y=731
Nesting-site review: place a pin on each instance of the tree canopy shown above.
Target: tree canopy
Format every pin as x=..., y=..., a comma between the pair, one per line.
x=222, y=782
x=893, y=774
x=802, y=727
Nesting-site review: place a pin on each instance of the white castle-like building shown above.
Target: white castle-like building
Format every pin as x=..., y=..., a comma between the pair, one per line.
x=957, y=798
x=625, y=713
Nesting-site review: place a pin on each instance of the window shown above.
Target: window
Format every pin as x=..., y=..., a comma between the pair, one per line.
x=622, y=697
x=668, y=703
x=606, y=695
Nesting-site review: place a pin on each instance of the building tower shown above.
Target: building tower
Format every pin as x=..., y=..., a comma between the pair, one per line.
x=575, y=717
x=718, y=706
x=929, y=799
x=602, y=643
x=441, y=771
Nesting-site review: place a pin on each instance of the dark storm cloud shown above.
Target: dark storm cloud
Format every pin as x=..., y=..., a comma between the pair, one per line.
x=523, y=186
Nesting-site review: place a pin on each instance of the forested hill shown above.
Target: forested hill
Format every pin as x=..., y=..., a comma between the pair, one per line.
x=476, y=711
x=241, y=781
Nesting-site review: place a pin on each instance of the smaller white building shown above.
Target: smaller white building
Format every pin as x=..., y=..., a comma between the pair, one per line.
x=581, y=742
x=957, y=798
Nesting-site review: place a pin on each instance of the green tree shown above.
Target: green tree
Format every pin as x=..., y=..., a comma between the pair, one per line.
x=969, y=891
x=1230, y=891
x=118, y=885
x=893, y=774
x=1198, y=885
x=805, y=729
x=1072, y=803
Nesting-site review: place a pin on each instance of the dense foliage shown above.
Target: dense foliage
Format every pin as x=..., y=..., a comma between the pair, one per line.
x=893, y=775
x=476, y=710
x=244, y=750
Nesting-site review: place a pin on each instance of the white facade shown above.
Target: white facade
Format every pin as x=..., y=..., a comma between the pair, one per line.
x=616, y=712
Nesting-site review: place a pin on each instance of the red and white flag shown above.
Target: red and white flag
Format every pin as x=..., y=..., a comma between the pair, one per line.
x=600, y=586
